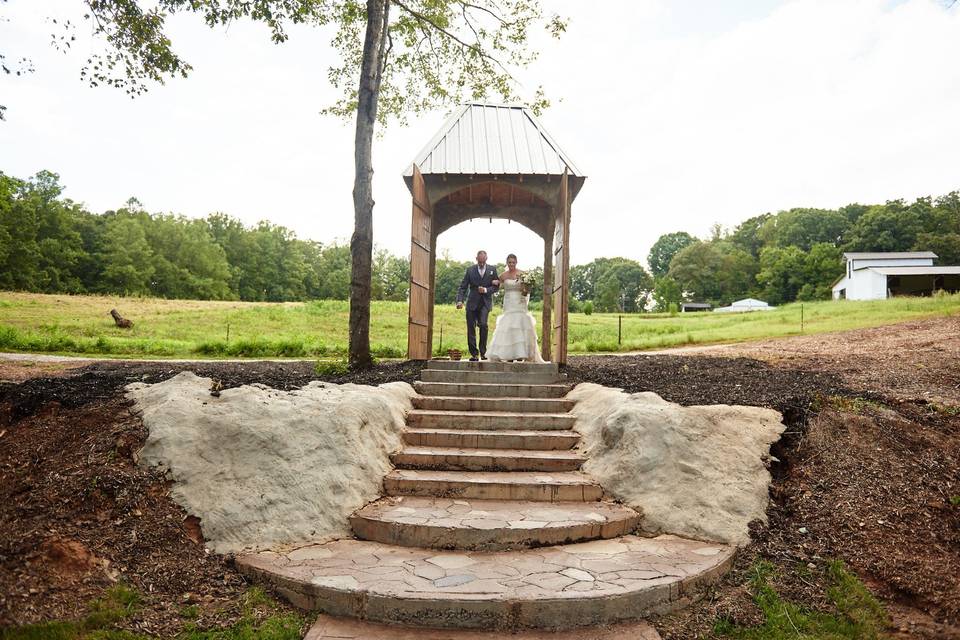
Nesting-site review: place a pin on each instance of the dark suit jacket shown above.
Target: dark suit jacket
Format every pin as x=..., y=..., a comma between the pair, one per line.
x=472, y=280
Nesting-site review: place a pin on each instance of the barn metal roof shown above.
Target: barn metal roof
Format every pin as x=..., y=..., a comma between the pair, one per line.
x=889, y=255
x=917, y=271
x=493, y=139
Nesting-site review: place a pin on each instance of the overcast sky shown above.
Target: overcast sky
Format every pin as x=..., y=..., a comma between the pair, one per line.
x=682, y=115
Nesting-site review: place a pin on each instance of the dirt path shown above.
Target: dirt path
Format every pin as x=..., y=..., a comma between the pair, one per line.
x=909, y=360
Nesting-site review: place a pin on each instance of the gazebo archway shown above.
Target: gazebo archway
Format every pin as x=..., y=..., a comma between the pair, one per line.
x=491, y=161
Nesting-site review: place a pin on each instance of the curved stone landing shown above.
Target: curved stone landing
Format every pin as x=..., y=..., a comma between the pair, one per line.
x=587, y=584
x=442, y=523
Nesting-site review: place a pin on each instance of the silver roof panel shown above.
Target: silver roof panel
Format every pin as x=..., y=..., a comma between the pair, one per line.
x=492, y=139
x=916, y=271
x=889, y=255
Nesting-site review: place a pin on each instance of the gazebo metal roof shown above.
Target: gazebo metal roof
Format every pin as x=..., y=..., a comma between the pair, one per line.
x=493, y=139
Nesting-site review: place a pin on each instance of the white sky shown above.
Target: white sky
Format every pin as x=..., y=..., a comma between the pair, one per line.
x=681, y=114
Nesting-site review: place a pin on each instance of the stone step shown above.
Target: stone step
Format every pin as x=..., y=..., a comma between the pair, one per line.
x=331, y=628
x=488, y=365
x=488, y=377
x=569, y=486
x=474, y=390
x=444, y=523
x=502, y=439
x=489, y=420
x=462, y=459
x=560, y=587
x=518, y=405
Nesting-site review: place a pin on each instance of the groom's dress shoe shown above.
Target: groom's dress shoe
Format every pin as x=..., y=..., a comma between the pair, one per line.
x=473, y=358
x=483, y=356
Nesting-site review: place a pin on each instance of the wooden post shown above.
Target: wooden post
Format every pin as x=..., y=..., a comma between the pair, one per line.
x=561, y=269
x=546, y=338
x=422, y=240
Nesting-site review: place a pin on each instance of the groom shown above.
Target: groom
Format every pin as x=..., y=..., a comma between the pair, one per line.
x=482, y=281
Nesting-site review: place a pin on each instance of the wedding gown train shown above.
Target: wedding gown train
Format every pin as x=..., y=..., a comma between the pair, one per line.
x=515, y=335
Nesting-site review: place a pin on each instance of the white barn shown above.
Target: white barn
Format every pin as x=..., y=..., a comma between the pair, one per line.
x=877, y=276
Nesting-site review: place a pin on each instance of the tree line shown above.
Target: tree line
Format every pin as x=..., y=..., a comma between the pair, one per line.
x=49, y=244
x=797, y=254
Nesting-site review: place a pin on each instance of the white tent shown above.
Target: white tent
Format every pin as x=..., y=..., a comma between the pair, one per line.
x=745, y=305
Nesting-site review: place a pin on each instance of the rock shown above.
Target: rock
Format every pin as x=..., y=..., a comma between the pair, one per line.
x=694, y=471
x=261, y=467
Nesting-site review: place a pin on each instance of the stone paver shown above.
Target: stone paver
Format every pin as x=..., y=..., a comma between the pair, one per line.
x=502, y=439
x=330, y=628
x=489, y=420
x=446, y=523
x=472, y=459
x=492, y=485
x=486, y=390
x=489, y=377
x=591, y=583
x=531, y=405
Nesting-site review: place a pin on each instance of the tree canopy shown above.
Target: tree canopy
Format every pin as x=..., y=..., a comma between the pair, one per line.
x=797, y=254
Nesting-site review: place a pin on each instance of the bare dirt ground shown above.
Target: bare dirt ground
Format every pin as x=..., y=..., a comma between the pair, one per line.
x=868, y=467
x=909, y=360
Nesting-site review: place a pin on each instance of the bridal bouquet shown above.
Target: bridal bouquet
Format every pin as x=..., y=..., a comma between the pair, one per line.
x=526, y=282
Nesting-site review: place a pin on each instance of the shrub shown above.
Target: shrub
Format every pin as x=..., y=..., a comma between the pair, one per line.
x=588, y=308
x=331, y=368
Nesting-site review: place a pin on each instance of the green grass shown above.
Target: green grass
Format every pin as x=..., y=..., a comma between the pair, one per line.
x=191, y=328
x=119, y=602
x=857, y=613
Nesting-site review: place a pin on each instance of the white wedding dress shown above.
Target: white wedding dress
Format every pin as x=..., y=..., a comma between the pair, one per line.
x=515, y=335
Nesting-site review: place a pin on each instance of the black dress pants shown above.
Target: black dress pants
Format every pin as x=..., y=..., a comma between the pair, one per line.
x=477, y=318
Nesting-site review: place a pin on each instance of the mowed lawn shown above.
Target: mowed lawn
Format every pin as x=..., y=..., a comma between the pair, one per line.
x=190, y=328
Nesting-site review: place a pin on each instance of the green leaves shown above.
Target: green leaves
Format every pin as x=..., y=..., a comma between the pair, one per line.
x=663, y=250
x=438, y=53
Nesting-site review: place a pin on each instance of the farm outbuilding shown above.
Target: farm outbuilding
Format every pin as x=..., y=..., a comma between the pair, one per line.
x=691, y=307
x=877, y=276
x=744, y=306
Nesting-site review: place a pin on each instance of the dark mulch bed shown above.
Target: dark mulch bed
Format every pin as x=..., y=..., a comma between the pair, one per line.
x=103, y=381
x=691, y=380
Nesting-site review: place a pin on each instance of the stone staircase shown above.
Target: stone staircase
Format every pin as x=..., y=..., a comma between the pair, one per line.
x=487, y=522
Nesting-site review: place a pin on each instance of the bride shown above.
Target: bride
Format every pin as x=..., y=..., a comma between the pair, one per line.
x=515, y=335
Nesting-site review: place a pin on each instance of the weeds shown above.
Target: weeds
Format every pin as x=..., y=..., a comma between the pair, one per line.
x=858, y=614
x=259, y=621
x=331, y=368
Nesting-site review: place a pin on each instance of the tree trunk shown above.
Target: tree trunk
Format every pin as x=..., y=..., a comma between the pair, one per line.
x=361, y=244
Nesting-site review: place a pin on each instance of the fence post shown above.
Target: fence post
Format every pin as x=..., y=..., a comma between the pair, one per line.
x=619, y=330
x=801, y=317
x=441, y=339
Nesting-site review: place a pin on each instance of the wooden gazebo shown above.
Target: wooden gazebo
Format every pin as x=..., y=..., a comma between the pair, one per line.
x=492, y=161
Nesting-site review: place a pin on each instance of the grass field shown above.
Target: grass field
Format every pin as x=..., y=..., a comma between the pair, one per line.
x=190, y=328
